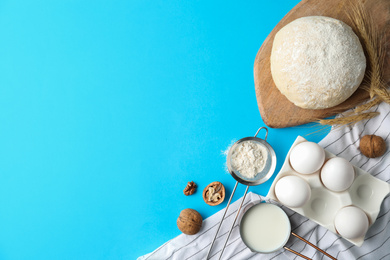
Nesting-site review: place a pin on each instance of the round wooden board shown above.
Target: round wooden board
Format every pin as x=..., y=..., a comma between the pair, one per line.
x=275, y=109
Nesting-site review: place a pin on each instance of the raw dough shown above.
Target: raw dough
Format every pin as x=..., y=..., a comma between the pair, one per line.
x=317, y=62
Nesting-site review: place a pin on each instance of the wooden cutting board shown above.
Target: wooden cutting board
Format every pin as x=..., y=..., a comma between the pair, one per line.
x=275, y=109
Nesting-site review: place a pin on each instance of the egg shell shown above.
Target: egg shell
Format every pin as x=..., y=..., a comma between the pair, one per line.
x=337, y=174
x=307, y=157
x=292, y=191
x=351, y=222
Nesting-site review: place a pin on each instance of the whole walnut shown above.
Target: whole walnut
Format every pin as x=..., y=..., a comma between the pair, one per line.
x=372, y=146
x=189, y=221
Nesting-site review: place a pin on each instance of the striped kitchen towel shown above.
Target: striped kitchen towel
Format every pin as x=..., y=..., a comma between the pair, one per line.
x=343, y=142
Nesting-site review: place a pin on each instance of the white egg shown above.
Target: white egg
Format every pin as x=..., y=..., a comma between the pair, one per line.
x=337, y=174
x=307, y=157
x=292, y=191
x=351, y=222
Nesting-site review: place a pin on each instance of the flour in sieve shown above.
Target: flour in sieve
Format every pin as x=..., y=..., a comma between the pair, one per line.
x=249, y=158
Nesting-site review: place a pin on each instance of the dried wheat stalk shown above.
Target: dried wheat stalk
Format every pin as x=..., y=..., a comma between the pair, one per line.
x=349, y=119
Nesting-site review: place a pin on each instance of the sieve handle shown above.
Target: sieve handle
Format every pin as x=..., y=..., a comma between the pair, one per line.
x=231, y=229
x=220, y=223
x=266, y=133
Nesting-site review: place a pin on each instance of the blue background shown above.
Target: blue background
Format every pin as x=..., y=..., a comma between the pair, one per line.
x=108, y=109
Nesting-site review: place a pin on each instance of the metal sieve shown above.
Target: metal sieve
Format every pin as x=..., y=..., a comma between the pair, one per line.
x=261, y=177
x=270, y=162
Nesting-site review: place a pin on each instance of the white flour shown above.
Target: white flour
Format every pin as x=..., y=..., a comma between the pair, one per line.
x=249, y=158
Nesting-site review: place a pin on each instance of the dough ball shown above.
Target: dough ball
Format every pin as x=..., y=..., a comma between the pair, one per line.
x=317, y=62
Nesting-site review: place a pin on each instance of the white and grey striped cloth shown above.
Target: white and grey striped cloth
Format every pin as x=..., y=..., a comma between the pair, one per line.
x=343, y=142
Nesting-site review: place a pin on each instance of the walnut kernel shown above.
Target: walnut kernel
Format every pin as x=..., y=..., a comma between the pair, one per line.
x=190, y=188
x=212, y=195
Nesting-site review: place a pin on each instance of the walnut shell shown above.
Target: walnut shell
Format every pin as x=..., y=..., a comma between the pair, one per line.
x=189, y=221
x=372, y=146
x=218, y=188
